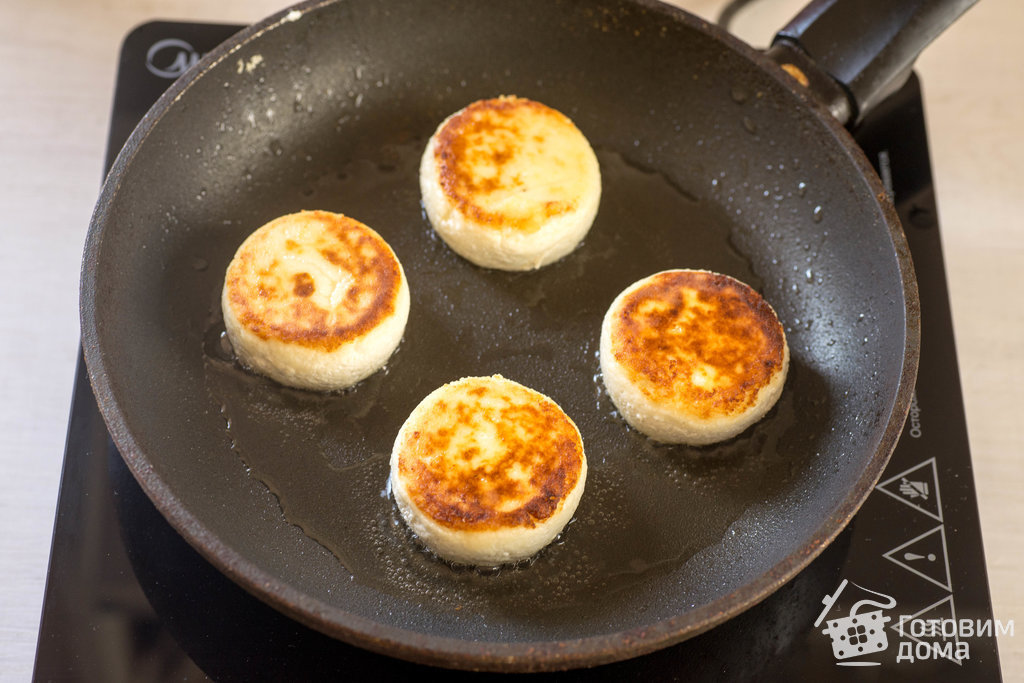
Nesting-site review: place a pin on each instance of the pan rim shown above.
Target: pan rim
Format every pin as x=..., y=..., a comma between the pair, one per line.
x=519, y=656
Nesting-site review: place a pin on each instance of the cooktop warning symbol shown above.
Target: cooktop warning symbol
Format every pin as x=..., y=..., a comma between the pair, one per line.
x=913, y=489
x=925, y=556
x=943, y=611
x=917, y=487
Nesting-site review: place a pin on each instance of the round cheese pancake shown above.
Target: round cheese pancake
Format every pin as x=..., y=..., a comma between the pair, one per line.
x=510, y=183
x=315, y=300
x=486, y=471
x=690, y=356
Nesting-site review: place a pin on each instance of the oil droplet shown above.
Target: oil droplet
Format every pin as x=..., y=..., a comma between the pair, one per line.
x=801, y=188
x=817, y=214
x=276, y=148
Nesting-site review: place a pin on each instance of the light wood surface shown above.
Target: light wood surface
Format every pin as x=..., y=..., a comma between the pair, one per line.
x=58, y=59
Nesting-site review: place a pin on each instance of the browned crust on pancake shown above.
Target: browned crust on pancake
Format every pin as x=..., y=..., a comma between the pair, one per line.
x=537, y=437
x=273, y=307
x=487, y=132
x=660, y=339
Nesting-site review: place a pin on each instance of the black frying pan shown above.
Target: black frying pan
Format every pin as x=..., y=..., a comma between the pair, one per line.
x=711, y=157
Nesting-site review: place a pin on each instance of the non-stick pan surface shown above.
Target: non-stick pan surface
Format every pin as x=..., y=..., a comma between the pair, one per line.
x=710, y=159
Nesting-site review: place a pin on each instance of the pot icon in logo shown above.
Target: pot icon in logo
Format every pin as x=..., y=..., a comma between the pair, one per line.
x=170, y=57
x=860, y=633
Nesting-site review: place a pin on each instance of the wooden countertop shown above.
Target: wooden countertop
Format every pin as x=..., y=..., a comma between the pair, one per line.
x=58, y=60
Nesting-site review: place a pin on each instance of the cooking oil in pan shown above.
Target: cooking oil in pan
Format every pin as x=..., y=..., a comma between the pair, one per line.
x=646, y=510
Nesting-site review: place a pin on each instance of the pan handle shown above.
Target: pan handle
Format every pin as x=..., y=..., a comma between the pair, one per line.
x=854, y=53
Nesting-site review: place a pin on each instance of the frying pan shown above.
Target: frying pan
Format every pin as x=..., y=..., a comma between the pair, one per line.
x=712, y=157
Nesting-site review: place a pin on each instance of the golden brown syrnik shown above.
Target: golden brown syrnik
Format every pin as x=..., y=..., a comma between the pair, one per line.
x=315, y=300
x=691, y=356
x=486, y=471
x=510, y=183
